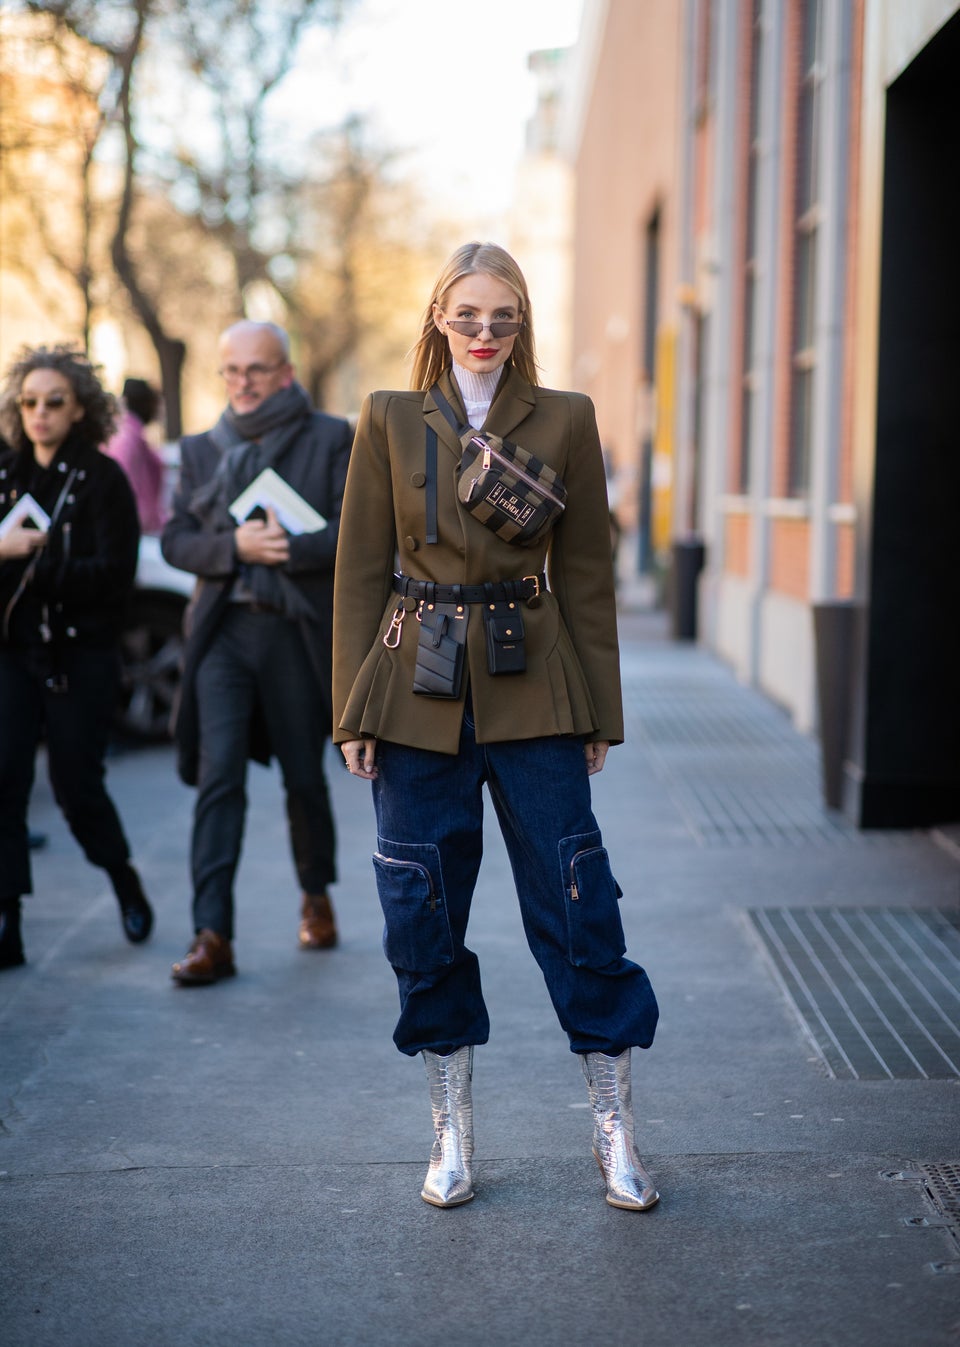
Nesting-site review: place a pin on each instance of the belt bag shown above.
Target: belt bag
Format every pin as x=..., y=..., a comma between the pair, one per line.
x=501, y=485
x=439, y=667
x=506, y=488
x=503, y=624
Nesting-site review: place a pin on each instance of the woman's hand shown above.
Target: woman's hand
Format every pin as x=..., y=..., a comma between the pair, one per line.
x=21, y=542
x=596, y=753
x=360, y=758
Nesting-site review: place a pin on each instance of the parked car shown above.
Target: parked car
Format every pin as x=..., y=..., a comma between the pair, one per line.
x=151, y=646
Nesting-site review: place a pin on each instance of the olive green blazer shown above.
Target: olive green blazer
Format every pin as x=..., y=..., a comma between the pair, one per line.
x=572, y=680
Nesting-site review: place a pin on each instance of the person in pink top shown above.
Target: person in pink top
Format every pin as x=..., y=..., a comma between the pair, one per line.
x=140, y=461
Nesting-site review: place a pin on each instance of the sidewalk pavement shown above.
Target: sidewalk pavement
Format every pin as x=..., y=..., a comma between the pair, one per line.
x=241, y=1164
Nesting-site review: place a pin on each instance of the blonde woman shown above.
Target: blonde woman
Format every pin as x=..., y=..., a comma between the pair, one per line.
x=489, y=657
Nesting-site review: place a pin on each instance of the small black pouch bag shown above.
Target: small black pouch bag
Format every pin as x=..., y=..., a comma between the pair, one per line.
x=503, y=623
x=443, y=632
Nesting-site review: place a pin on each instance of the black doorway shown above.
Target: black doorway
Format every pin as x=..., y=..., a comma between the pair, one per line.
x=907, y=760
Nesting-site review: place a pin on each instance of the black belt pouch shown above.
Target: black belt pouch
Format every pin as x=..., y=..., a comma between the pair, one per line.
x=443, y=632
x=503, y=623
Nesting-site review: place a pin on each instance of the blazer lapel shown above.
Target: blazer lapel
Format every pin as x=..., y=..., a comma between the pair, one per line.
x=435, y=418
x=514, y=402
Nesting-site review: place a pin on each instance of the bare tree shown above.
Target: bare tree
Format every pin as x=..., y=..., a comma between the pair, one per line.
x=58, y=205
x=171, y=351
x=325, y=241
x=242, y=190
x=238, y=51
x=118, y=30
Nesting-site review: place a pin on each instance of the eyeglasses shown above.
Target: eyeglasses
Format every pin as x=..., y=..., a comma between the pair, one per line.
x=53, y=403
x=236, y=374
x=473, y=329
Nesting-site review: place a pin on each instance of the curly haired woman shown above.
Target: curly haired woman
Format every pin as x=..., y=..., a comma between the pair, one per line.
x=68, y=553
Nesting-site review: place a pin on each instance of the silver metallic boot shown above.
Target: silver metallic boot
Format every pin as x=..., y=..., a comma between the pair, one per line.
x=608, y=1080
x=448, y=1181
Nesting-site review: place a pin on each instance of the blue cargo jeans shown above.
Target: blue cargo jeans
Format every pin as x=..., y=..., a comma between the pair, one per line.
x=429, y=810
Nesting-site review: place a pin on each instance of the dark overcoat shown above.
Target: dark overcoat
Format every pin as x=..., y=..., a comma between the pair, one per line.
x=572, y=680
x=316, y=467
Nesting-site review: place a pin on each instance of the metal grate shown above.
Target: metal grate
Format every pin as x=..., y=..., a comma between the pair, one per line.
x=876, y=990
x=942, y=1185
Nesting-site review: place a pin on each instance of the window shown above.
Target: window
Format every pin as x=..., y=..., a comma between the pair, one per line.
x=807, y=212
x=751, y=289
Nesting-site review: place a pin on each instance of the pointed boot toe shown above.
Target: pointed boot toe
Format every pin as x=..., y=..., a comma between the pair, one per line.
x=449, y=1182
x=628, y=1184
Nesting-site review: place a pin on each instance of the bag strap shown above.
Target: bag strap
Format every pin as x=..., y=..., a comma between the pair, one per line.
x=31, y=566
x=430, y=485
x=430, y=466
x=449, y=414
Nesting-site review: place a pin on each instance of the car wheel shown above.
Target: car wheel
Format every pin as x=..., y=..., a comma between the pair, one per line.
x=151, y=647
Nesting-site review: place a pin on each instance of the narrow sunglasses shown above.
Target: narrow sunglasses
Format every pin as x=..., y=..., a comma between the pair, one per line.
x=473, y=329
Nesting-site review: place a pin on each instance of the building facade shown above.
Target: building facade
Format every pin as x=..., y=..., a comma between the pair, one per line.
x=801, y=334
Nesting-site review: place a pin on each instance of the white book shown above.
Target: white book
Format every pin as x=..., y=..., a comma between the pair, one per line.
x=294, y=513
x=26, y=510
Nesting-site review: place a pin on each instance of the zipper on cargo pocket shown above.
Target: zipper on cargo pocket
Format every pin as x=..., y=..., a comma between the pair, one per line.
x=412, y=865
x=574, y=891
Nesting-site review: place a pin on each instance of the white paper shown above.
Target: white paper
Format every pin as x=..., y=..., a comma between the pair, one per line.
x=294, y=513
x=25, y=508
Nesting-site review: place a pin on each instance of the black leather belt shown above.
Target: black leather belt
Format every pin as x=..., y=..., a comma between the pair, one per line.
x=496, y=591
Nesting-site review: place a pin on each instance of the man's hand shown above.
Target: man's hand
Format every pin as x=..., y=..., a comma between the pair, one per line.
x=263, y=542
x=21, y=542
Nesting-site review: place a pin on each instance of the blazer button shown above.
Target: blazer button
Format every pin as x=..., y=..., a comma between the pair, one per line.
x=410, y=543
x=418, y=479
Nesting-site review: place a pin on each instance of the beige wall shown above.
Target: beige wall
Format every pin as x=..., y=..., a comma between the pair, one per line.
x=626, y=167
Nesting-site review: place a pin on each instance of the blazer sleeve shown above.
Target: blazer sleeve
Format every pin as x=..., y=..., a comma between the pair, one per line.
x=365, y=557
x=581, y=570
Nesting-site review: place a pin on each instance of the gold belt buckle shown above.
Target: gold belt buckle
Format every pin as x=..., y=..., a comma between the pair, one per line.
x=536, y=585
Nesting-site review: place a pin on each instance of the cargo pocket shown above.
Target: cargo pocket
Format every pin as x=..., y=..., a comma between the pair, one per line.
x=594, y=927
x=416, y=935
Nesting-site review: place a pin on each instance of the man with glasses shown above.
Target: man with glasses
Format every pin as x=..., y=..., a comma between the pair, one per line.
x=256, y=679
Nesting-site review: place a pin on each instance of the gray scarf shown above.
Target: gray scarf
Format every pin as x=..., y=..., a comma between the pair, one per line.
x=250, y=442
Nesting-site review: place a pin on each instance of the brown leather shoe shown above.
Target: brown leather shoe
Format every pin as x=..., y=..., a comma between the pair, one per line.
x=318, y=927
x=207, y=960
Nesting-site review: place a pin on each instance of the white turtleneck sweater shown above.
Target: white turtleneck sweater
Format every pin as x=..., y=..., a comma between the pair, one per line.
x=477, y=391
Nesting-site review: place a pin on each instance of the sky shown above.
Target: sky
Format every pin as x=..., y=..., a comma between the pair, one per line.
x=445, y=80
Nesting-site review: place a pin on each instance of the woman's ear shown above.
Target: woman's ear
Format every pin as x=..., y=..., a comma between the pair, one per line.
x=438, y=318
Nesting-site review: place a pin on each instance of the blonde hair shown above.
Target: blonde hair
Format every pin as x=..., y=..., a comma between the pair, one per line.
x=431, y=354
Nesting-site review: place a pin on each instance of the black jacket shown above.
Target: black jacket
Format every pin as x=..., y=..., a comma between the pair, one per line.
x=316, y=467
x=79, y=584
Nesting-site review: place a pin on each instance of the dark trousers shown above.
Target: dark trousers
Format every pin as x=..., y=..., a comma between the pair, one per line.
x=429, y=845
x=257, y=659
x=76, y=723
